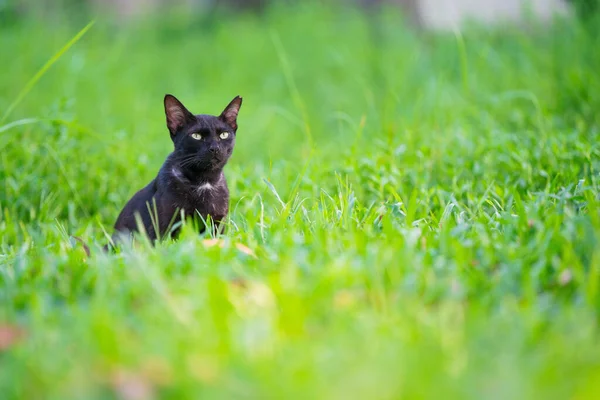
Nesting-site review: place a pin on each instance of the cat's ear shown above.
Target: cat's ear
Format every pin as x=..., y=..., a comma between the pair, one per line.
x=177, y=115
x=229, y=115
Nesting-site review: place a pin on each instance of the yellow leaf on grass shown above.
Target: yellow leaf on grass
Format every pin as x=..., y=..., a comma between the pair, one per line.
x=221, y=243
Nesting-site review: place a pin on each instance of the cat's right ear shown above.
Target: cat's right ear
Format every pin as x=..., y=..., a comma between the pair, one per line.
x=177, y=115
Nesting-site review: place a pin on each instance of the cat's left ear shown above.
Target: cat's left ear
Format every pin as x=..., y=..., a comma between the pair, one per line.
x=229, y=115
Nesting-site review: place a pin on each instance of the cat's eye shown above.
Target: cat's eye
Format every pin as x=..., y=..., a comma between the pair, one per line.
x=224, y=135
x=196, y=136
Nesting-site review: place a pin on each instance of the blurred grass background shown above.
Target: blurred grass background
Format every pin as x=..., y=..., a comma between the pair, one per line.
x=423, y=205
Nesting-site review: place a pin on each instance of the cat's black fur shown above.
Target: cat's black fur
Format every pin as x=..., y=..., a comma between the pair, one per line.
x=191, y=179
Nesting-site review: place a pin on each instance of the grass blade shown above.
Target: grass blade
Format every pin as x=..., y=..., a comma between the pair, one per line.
x=33, y=81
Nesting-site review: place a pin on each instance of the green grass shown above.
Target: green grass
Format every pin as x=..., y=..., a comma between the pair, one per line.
x=424, y=210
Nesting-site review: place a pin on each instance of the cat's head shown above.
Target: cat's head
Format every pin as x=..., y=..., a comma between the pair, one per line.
x=202, y=142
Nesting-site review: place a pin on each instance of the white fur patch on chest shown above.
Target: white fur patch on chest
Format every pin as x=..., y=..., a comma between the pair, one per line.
x=204, y=188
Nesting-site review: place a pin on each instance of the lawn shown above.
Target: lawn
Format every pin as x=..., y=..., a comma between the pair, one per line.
x=424, y=210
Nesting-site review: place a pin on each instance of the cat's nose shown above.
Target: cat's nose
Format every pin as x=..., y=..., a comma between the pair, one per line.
x=213, y=149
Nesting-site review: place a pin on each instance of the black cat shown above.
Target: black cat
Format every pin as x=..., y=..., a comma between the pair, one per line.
x=191, y=181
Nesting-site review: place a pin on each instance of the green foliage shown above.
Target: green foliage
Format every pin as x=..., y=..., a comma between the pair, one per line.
x=586, y=8
x=424, y=211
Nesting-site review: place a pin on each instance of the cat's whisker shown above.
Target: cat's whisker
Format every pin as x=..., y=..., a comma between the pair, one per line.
x=185, y=158
x=190, y=162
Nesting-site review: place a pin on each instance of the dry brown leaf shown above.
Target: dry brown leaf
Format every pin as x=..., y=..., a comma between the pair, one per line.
x=565, y=277
x=131, y=386
x=157, y=371
x=206, y=369
x=141, y=383
x=344, y=299
x=251, y=298
x=245, y=250
x=10, y=335
x=213, y=242
x=221, y=243
x=238, y=282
